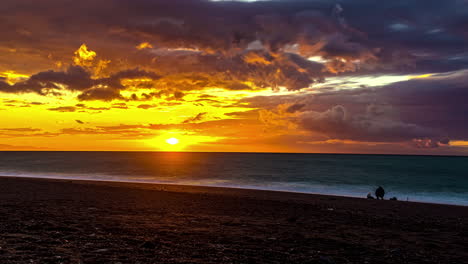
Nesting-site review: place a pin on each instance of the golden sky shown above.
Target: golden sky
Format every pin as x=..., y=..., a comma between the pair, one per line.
x=235, y=80
x=198, y=119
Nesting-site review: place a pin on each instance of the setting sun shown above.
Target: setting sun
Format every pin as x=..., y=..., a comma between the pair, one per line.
x=172, y=141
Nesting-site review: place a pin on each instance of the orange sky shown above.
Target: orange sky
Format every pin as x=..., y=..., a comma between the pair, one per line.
x=207, y=120
x=217, y=83
x=212, y=119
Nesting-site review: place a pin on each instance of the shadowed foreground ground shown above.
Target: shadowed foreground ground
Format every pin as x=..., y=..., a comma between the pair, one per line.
x=47, y=221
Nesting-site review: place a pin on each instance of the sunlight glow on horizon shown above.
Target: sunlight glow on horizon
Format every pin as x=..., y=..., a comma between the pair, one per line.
x=172, y=141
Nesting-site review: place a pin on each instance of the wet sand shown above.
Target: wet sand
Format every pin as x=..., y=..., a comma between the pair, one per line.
x=59, y=221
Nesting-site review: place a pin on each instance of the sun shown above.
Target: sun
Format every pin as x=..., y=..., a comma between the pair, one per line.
x=172, y=141
x=178, y=141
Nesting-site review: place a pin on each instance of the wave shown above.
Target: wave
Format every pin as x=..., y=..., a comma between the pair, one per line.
x=345, y=190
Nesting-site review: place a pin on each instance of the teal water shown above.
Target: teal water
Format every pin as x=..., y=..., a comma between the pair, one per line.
x=434, y=179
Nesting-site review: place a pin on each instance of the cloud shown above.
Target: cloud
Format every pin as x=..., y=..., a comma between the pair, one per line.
x=267, y=48
x=244, y=46
x=102, y=94
x=198, y=117
x=79, y=108
x=164, y=52
x=144, y=45
x=422, y=112
x=74, y=78
x=430, y=143
x=84, y=57
x=24, y=132
x=22, y=129
x=146, y=106
x=236, y=25
x=237, y=72
x=374, y=125
x=64, y=109
x=120, y=106
x=295, y=107
x=119, y=131
x=77, y=78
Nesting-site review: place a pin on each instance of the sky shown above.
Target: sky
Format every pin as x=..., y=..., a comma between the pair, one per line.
x=315, y=76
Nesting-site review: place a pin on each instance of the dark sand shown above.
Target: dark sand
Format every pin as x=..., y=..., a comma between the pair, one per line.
x=53, y=221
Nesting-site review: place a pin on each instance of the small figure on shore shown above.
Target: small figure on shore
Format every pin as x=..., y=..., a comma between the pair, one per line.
x=380, y=193
x=393, y=199
x=369, y=196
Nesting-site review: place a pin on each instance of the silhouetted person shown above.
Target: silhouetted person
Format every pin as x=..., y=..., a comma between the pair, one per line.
x=393, y=199
x=369, y=196
x=380, y=193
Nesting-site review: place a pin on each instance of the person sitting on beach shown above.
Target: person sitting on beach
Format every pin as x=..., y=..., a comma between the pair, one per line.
x=380, y=193
x=369, y=196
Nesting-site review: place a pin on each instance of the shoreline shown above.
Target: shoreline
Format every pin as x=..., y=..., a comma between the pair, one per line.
x=274, y=153
x=155, y=184
x=69, y=221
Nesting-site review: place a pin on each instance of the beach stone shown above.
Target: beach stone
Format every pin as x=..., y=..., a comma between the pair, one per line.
x=148, y=245
x=101, y=250
x=326, y=260
x=396, y=252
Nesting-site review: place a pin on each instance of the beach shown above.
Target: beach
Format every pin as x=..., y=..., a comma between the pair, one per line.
x=71, y=221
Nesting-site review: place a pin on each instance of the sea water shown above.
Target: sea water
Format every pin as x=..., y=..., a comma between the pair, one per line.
x=434, y=179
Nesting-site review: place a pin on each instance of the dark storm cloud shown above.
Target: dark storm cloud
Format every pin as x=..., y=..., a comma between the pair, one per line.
x=429, y=32
x=295, y=107
x=76, y=78
x=231, y=42
x=372, y=126
x=437, y=102
x=198, y=71
x=197, y=43
x=426, y=112
x=114, y=81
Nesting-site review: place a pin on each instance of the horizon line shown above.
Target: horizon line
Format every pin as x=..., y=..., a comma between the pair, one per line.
x=248, y=152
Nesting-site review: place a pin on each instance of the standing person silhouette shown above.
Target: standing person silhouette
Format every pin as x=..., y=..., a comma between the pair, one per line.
x=380, y=193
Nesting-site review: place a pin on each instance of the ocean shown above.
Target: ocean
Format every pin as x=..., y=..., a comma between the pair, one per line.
x=433, y=179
